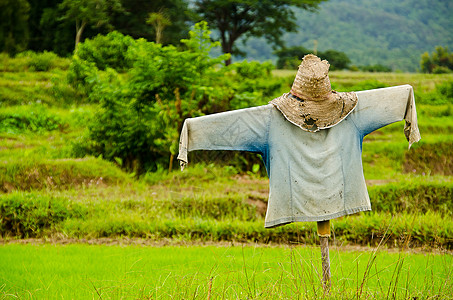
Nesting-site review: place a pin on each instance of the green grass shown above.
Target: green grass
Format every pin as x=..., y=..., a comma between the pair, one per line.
x=50, y=192
x=201, y=204
x=345, y=79
x=140, y=272
x=41, y=158
x=48, y=88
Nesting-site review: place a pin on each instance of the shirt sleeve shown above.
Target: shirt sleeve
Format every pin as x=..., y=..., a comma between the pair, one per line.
x=380, y=107
x=244, y=130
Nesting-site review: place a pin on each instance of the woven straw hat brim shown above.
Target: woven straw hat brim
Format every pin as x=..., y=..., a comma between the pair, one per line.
x=313, y=116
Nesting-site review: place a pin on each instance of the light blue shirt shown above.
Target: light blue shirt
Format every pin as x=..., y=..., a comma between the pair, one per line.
x=312, y=176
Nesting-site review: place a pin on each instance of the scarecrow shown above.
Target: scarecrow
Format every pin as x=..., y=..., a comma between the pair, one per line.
x=310, y=140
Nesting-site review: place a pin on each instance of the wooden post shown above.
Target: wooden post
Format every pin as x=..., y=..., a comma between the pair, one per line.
x=324, y=234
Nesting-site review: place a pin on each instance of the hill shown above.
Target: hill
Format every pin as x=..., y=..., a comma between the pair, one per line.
x=386, y=32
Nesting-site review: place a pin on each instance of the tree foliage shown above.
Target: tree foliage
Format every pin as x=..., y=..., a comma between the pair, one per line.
x=134, y=22
x=441, y=61
x=51, y=22
x=290, y=58
x=14, y=34
x=236, y=19
x=89, y=12
x=144, y=101
x=370, y=32
x=47, y=31
x=159, y=20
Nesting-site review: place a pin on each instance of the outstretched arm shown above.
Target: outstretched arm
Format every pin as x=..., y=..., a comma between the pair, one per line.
x=380, y=107
x=244, y=129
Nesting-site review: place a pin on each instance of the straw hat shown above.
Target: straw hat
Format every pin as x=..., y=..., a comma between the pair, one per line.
x=311, y=103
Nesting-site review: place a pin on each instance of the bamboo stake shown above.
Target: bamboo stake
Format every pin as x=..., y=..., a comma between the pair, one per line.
x=324, y=234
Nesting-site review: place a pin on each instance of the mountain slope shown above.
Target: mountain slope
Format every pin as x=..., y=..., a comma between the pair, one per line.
x=387, y=32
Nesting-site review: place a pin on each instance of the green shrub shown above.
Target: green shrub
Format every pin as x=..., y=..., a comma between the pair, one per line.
x=441, y=61
x=99, y=54
x=36, y=173
x=27, y=215
x=413, y=197
x=338, y=60
x=107, y=51
x=441, y=70
x=33, y=118
x=82, y=75
x=253, y=69
x=39, y=62
x=142, y=112
x=42, y=61
x=290, y=58
x=375, y=68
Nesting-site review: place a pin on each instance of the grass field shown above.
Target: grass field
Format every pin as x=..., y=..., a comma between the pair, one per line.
x=225, y=272
x=53, y=195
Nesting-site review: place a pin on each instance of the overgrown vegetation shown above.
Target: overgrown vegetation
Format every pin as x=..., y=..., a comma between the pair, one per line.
x=146, y=90
x=122, y=102
x=441, y=61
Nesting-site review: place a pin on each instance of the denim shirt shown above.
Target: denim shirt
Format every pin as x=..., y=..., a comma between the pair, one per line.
x=312, y=176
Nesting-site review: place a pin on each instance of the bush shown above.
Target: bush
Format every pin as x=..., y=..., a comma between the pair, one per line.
x=33, y=118
x=99, y=54
x=106, y=51
x=440, y=62
x=35, y=173
x=39, y=62
x=30, y=215
x=142, y=112
x=253, y=70
x=441, y=70
x=42, y=61
x=31, y=61
x=252, y=84
x=290, y=58
x=337, y=60
x=82, y=75
x=376, y=68
x=413, y=197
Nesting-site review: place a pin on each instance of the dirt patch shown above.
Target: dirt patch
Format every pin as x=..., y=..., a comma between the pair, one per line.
x=180, y=243
x=259, y=203
x=372, y=182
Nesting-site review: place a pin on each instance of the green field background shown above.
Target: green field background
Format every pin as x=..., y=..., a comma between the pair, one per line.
x=53, y=204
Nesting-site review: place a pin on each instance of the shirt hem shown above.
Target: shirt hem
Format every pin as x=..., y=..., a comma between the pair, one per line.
x=292, y=219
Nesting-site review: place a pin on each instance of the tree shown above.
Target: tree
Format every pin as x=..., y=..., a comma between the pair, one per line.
x=245, y=18
x=159, y=20
x=86, y=12
x=289, y=58
x=134, y=23
x=441, y=61
x=14, y=32
x=338, y=60
x=47, y=31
